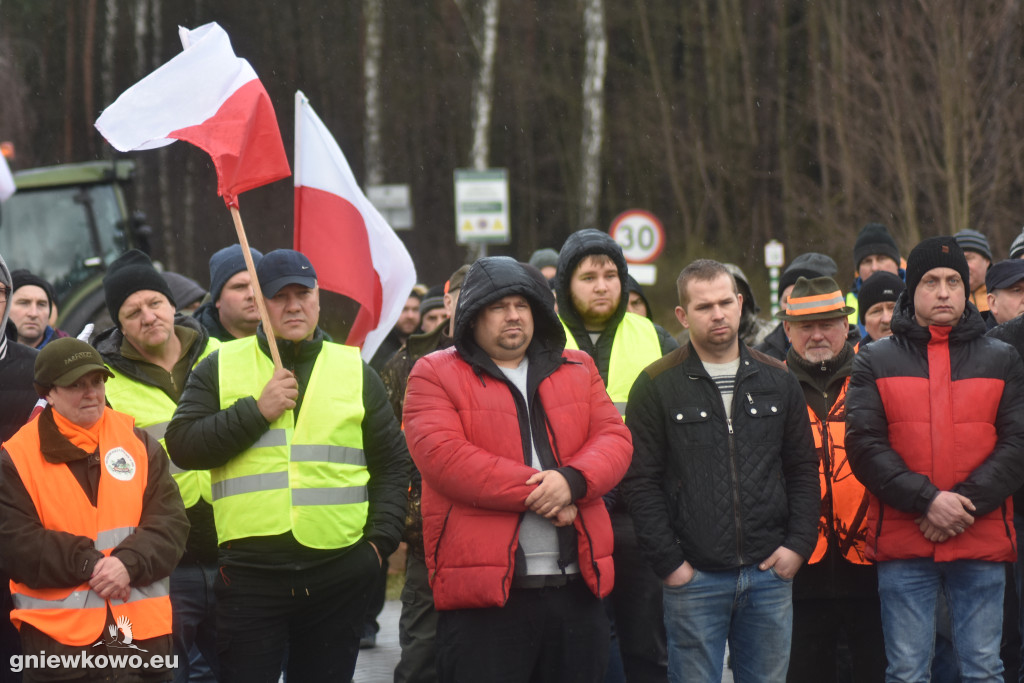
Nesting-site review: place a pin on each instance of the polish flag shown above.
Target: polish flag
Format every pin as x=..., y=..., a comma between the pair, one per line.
x=7, y=187
x=211, y=98
x=353, y=249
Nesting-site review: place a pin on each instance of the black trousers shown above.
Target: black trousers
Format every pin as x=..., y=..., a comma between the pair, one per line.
x=819, y=625
x=541, y=634
x=316, y=613
x=636, y=600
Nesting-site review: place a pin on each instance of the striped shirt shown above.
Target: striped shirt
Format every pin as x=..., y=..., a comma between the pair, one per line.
x=724, y=375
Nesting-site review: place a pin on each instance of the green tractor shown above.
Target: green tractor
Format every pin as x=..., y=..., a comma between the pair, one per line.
x=66, y=223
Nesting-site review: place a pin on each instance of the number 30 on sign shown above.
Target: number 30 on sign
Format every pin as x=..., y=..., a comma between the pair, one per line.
x=640, y=234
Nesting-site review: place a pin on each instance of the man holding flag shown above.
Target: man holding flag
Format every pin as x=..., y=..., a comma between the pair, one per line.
x=309, y=473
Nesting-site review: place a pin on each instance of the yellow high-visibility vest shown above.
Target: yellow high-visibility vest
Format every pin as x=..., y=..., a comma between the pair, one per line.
x=152, y=409
x=634, y=347
x=306, y=474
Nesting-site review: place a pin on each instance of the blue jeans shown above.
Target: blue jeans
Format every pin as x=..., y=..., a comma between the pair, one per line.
x=749, y=608
x=909, y=591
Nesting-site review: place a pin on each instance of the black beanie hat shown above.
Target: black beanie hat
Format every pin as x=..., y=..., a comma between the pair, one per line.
x=130, y=273
x=935, y=252
x=22, y=277
x=874, y=238
x=881, y=286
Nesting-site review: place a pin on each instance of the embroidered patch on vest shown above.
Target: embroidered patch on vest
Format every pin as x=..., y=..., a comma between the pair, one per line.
x=120, y=464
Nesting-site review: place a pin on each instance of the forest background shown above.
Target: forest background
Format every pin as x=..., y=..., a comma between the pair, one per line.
x=733, y=121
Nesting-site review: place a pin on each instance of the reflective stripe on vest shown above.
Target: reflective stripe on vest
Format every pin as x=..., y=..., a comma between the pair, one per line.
x=87, y=599
x=306, y=475
x=75, y=615
x=634, y=347
x=844, y=501
x=152, y=409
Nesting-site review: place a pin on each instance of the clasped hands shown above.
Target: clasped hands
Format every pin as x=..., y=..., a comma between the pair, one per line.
x=948, y=515
x=552, y=499
x=110, y=579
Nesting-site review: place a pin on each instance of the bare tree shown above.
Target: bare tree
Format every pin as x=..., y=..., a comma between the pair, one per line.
x=592, y=139
x=373, y=22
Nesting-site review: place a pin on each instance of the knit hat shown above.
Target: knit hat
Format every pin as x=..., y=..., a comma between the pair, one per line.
x=1004, y=274
x=816, y=299
x=132, y=272
x=935, y=252
x=434, y=299
x=64, y=361
x=874, y=238
x=972, y=240
x=1017, y=246
x=283, y=267
x=227, y=262
x=544, y=258
x=881, y=286
x=22, y=277
x=809, y=265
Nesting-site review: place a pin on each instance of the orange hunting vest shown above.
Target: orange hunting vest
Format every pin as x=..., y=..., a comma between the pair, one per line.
x=75, y=615
x=844, y=501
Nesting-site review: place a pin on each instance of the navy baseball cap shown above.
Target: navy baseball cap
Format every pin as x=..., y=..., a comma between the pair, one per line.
x=284, y=267
x=1004, y=274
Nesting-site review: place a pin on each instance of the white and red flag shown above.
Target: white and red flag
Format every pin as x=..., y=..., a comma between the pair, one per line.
x=353, y=249
x=7, y=187
x=209, y=97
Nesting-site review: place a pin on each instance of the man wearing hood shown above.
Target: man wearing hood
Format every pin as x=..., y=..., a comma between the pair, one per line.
x=935, y=428
x=150, y=352
x=516, y=441
x=753, y=329
x=591, y=288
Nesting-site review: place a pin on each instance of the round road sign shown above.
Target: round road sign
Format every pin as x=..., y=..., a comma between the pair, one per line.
x=640, y=234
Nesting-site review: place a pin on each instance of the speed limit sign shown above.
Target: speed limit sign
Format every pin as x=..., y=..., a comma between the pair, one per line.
x=640, y=234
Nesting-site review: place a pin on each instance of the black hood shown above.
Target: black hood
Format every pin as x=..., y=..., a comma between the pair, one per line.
x=579, y=245
x=495, y=277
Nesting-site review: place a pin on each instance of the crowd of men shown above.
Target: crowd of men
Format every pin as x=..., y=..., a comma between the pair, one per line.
x=583, y=496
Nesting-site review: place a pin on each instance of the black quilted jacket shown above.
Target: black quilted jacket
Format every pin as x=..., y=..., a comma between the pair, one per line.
x=720, y=494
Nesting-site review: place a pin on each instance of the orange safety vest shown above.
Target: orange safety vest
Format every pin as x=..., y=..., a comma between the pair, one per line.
x=844, y=501
x=75, y=615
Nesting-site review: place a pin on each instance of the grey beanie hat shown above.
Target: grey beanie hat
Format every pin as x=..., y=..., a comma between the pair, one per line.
x=1017, y=247
x=972, y=240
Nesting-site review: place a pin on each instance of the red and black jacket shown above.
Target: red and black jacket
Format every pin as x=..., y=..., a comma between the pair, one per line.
x=933, y=409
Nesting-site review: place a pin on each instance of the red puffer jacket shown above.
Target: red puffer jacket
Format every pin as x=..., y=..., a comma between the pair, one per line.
x=465, y=435
x=937, y=409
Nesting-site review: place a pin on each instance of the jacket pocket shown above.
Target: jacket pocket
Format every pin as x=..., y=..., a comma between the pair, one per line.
x=694, y=424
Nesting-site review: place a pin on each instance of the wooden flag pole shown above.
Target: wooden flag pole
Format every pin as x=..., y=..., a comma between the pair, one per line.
x=260, y=303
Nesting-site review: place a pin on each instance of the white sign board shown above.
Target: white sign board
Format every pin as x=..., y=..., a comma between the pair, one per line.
x=774, y=254
x=393, y=203
x=644, y=273
x=481, y=206
x=640, y=234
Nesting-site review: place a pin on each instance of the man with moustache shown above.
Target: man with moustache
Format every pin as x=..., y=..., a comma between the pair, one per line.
x=517, y=441
x=835, y=597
